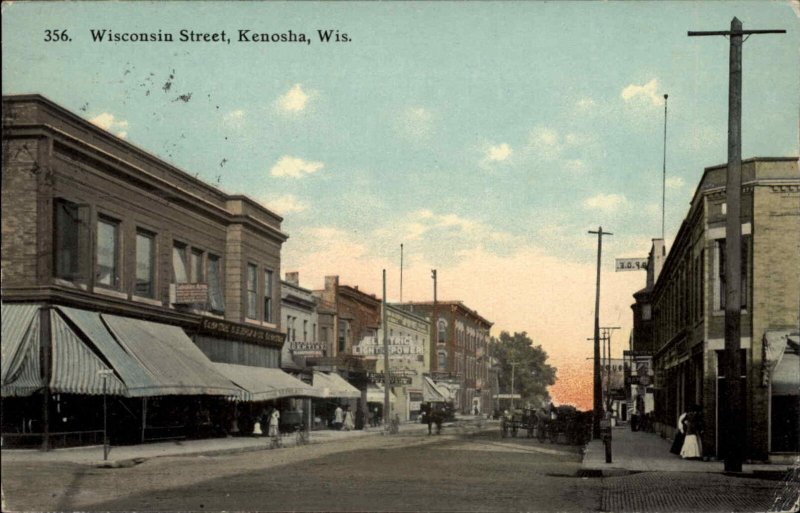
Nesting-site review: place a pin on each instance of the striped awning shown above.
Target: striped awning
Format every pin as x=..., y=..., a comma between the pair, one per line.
x=263, y=384
x=76, y=368
x=333, y=385
x=169, y=355
x=20, y=375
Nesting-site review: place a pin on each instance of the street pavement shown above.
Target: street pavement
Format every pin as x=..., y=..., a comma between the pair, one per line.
x=467, y=468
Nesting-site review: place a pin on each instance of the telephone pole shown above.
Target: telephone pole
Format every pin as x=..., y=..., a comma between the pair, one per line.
x=434, y=326
x=733, y=407
x=598, y=386
x=607, y=337
x=386, y=378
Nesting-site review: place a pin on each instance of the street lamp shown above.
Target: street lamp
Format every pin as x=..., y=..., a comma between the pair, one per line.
x=104, y=374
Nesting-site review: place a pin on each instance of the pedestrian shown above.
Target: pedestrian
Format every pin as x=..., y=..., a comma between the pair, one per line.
x=348, y=425
x=437, y=419
x=338, y=418
x=274, y=420
x=359, y=417
x=692, y=446
x=376, y=418
x=677, y=442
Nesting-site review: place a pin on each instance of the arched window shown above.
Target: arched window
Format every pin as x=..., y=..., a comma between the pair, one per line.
x=442, y=338
x=442, y=360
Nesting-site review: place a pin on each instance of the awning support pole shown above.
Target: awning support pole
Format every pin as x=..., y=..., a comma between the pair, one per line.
x=45, y=344
x=144, y=416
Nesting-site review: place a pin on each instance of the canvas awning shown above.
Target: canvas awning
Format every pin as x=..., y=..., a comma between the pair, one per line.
x=333, y=385
x=19, y=343
x=431, y=393
x=76, y=368
x=376, y=394
x=786, y=374
x=263, y=384
x=177, y=365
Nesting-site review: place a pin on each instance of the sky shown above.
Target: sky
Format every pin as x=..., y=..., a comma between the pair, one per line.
x=486, y=137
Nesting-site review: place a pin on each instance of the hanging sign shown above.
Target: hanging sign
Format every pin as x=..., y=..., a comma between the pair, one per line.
x=631, y=264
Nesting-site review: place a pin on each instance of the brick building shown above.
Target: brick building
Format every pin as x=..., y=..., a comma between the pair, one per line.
x=688, y=309
x=108, y=251
x=459, y=352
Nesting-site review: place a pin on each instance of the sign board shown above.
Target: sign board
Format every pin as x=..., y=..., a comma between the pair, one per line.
x=234, y=331
x=378, y=377
x=188, y=293
x=307, y=348
x=372, y=348
x=631, y=264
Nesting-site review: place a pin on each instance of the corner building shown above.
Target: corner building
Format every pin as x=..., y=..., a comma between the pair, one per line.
x=107, y=252
x=688, y=311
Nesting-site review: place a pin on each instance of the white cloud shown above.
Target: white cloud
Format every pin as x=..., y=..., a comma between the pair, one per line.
x=646, y=92
x=416, y=122
x=286, y=204
x=234, y=119
x=498, y=153
x=107, y=121
x=295, y=99
x=585, y=104
x=294, y=167
x=606, y=202
x=674, y=182
x=550, y=144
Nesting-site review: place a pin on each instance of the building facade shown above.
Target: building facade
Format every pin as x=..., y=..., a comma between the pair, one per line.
x=114, y=247
x=688, y=310
x=459, y=352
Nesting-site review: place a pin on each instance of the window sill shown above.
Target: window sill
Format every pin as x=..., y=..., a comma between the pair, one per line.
x=147, y=300
x=70, y=284
x=110, y=292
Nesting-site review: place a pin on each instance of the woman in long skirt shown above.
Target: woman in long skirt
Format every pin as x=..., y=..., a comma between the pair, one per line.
x=677, y=442
x=692, y=446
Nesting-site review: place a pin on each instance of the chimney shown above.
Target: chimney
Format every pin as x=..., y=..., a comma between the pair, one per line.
x=331, y=283
x=293, y=278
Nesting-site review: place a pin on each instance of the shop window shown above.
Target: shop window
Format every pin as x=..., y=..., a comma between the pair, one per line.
x=180, y=269
x=252, y=291
x=108, y=253
x=145, y=264
x=268, y=295
x=215, y=296
x=71, y=257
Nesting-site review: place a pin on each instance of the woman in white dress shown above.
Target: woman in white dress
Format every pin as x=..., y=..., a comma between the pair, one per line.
x=349, y=424
x=274, y=419
x=692, y=446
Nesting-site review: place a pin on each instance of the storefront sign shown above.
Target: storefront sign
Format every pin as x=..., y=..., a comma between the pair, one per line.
x=231, y=330
x=631, y=264
x=394, y=379
x=188, y=293
x=307, y=348
x=371, y=347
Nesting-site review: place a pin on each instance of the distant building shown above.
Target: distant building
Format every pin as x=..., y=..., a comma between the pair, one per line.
x=459, y=352
x=688, y=300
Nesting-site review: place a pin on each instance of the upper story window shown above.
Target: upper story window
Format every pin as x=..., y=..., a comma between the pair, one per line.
x=721, y=285
x=145, y=264
x=342, y=337
x=216, y=299
x=108, y=253
x=305, y=331
x=647, y=312
x=71, y=257
x=442, y=331
x=252, y=288
x=198, y=274
x=441, y=360
x=180, y=268
x=268, y=278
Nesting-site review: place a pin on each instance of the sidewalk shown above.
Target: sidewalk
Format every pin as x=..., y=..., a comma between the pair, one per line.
x=129, y=455
x=648, y=452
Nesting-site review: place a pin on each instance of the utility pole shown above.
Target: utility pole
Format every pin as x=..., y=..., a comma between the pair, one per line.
x=664, y=171
x=434, y=326
x=386, y=378
x=598, y=387
x=401, y=272
x=607, y=337
x=513, y=364
x=733, y=407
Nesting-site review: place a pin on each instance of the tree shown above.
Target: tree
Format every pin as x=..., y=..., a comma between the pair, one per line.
x=532, y=373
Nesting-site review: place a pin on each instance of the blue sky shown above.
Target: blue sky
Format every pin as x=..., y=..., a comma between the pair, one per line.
x=488, y=137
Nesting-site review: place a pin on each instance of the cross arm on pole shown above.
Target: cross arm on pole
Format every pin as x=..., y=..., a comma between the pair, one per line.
x=733, y=32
